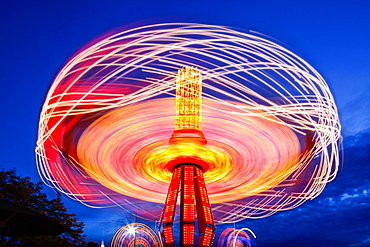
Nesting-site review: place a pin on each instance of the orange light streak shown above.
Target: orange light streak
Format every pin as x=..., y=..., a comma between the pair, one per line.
x=271, y=122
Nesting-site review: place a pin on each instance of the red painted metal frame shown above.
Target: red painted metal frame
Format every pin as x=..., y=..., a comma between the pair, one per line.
x=193, y=192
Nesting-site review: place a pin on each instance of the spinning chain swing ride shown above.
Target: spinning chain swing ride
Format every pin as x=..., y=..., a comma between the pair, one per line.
x=227, y=125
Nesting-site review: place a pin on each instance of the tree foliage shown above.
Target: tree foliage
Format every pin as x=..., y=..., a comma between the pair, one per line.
x=23, y=192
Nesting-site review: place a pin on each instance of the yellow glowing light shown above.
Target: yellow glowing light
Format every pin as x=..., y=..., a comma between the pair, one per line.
x=261, y=105
x=236, y=168
x=188, y=99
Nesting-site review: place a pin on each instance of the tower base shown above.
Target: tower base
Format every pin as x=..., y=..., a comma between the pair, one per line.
x=188, y=180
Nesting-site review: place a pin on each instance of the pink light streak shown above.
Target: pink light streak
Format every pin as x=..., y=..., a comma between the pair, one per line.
x=269, y=118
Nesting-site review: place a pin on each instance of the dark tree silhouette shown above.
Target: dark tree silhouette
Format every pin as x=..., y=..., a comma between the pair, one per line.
x=23, y=192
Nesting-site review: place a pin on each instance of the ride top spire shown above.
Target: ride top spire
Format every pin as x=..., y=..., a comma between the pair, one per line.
x=188, y=99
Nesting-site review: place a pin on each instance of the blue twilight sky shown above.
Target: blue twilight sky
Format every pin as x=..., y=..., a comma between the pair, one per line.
x=37, y=38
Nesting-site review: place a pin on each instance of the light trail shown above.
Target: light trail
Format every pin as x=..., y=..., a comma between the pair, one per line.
x=136, y=234
x=232, y=237
x=269, y=118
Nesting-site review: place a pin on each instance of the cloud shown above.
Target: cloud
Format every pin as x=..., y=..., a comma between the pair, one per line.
x=354, y=196
x=338, y=217
x=366, y=242
x=355, y=115
x=361, y=139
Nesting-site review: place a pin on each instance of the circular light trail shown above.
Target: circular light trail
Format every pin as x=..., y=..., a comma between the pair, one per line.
x=231, y=237
x=269, y=118
x=136, y=234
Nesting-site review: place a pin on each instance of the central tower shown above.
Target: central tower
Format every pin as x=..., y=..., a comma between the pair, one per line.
x=187, y=179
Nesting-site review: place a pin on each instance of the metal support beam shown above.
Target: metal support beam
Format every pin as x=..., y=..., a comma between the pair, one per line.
x=193, y=195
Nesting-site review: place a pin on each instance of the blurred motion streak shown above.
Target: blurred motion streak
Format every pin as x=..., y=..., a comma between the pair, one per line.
x=270, y=120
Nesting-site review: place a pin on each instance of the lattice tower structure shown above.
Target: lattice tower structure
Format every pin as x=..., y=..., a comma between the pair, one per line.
x=187, y=179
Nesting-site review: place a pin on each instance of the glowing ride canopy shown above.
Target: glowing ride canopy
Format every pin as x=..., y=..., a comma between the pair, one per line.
x=270, y=121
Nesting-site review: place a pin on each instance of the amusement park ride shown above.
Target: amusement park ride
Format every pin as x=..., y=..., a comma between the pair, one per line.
x=257, y=135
